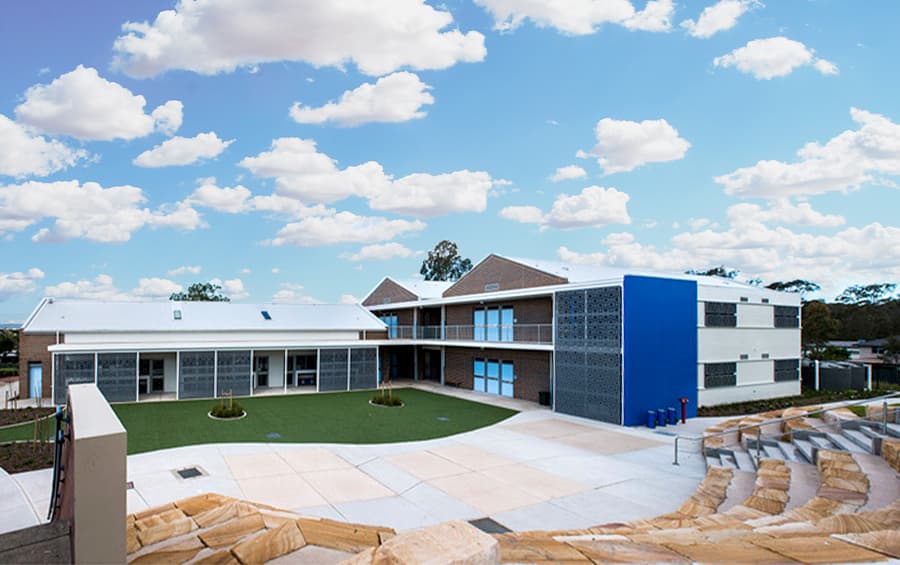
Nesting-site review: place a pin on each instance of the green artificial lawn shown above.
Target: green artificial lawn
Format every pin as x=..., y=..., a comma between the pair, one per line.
x=341, y=417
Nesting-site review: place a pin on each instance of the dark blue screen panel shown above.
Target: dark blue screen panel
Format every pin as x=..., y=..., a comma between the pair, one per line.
x=660, y=327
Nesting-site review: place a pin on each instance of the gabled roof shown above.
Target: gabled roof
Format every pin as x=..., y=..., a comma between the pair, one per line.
x=424, y=289
x=70, y=316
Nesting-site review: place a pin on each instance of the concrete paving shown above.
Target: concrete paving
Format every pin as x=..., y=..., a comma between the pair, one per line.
x=536, y=470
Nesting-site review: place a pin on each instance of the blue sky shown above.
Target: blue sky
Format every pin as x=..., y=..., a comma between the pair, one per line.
x=300, y=150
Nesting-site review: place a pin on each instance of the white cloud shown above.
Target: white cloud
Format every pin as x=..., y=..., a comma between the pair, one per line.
x=185, y=270
x=275, y=270
x=846, y=162
x=721, y=16
x=782, y=212
x=774, y=57
x=232, y=288
x=246, y=271
x=102, y=287
x=183, y=150
x=238, y=199
x=23, y=153
x=579, y=17
x=754, y=244
x=623, y=145
x=302, y=172
x=568, y=172
x=379, y=252
x=395, y=98
x=349, y=299
x=19, y=282
x=86, y=211
x=84, y=105
x=595, y=206
x=293, y=294
x=212, y=36
x=343, y=227
x=698, y=223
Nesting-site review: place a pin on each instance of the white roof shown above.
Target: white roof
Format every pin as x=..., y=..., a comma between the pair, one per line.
x=425, y=289
x=69, y=316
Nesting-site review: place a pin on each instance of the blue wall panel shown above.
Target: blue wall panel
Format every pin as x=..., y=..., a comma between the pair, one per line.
x=660, y=364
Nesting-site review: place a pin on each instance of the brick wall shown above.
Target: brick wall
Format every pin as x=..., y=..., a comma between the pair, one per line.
x=33, y=348
x=390, y=291
x=525, y=311
x=532, y=368
x=508, y=275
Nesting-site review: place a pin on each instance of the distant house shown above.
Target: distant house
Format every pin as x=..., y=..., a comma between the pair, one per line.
x=863, y=350
x=601, y=343
x=135, y=351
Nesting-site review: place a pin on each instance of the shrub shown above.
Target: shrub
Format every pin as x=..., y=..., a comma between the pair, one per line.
x=383, y=400
x=232, y=409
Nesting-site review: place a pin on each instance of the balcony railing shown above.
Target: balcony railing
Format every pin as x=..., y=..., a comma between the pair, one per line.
x=515, y=333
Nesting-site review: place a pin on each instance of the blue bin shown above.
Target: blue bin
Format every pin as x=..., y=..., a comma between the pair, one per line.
x=661, y=416
x=673, y=416
x=651, y=419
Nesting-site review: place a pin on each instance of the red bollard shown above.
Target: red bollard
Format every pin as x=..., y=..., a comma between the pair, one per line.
x=684, y=402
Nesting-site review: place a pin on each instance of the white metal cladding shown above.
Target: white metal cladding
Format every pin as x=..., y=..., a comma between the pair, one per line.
x=148, y=337
x=728, y=344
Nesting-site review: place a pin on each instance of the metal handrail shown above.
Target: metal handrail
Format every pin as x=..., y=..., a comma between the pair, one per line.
x=59, y=438
x=759, y=425
x=505, y=333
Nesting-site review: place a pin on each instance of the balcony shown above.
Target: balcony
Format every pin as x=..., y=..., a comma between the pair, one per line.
x=541, y=334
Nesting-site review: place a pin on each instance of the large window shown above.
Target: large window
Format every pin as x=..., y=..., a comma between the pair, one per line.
x=391, y=321
x=493, y=323
x=494, y=376
x=787, y=370
x=721, y=315
x=719, y=374
x=787, y=317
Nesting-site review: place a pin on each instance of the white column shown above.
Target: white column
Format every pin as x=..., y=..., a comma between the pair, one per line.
x=415, y=327
x=215, y=373
x=443, y=322
x=137, y=376
x=348, y=368
x=415, y=363
x=817, y=374
x=251, y=373
x=553, y=352
x=95, y=368
x=178, y=375
x=443, y=362
x=868, y=377
x=377, y=364
x=285, y=371
x=317, y=368
x=52, y=380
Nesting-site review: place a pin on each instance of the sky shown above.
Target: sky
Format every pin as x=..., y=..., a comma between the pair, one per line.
x=299, y=151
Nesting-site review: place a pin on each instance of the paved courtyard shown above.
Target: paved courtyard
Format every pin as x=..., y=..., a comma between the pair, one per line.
x=536, y=470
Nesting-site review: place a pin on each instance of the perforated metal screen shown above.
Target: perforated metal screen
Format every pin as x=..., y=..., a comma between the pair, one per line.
x=233, y=372
x=72, y=368
x=588, y=353
x=332, y=369
x=196, y=376
x=363, y=368
x=117, y=376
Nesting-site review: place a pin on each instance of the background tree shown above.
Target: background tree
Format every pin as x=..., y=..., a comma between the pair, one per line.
x=9, y=340
x=201, y=292
x=891, y=352
x=799, y=286
x=443, y=263
x=818, y=327
x=720, y=271
x=866, y=294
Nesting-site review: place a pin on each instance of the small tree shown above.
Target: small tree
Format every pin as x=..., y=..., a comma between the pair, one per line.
x=9, y=340
x=443, y=263
x=891, y=352
x=866, y=294
x=818, y=328
x=720, y=271
x=201, y=292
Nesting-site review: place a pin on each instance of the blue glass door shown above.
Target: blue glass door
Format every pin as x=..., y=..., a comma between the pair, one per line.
x=35, y=384
x=506, y=324
x=507, y=376
x=493, y=377
x=479, y=372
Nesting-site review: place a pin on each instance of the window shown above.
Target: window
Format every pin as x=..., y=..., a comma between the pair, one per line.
x=390, y=321
x=494, y=376
x=719, y=374
x=494, y=323
x=490, y=287
x=787, y=370
x=176, y=314
x=787, y=317
x=721, y=315
x=266, y=315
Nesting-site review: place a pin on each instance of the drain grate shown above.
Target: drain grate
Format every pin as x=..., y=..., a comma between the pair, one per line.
x=273, y=435
x=489, y=526
x=189, y=473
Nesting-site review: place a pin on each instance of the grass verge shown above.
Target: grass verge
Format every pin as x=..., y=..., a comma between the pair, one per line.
x=805, y=399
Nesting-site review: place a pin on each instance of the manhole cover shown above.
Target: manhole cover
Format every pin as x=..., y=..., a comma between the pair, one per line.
x=189, y=473
x=273, y=435
x=489, y=526
x=442, y=419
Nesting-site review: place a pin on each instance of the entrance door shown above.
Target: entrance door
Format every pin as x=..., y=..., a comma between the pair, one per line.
x=262, y=371
x=507, y=376
x=35, y=384
x=493, y=376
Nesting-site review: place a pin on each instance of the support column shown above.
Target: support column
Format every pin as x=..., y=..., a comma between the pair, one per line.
x=415, y=363
x=443, y=322
x=348, y=368
x=96, y=370
x=318, y=362
x=285, y=371
x=251, y=373
x=377, y=366
x=817, y=373
x=177, y=375
x=137, y=376
x=443, y=361
x=52, y=381
x=415, y=328
x=868, y=377
x=215, y=373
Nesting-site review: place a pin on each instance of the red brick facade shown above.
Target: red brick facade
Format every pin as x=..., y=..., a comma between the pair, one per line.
x=532, y=368
x=33, y=349
x=505, y=274
x=388, y=292
x=525, y=311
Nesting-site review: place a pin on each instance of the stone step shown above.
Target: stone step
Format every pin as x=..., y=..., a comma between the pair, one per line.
x=884, y=482
x=745, y=461
x=845, y=444
x=772, y=451
x=727, y=460
x=805, y=449
x=859, y=438
x=789, y=452
x=713, y=461
x=740, y=487
x=821, y=442
x=804, y=484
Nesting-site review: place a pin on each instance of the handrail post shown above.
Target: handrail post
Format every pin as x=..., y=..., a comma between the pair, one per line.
x=884, y=407
x=758, y=443
x=677, y=437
